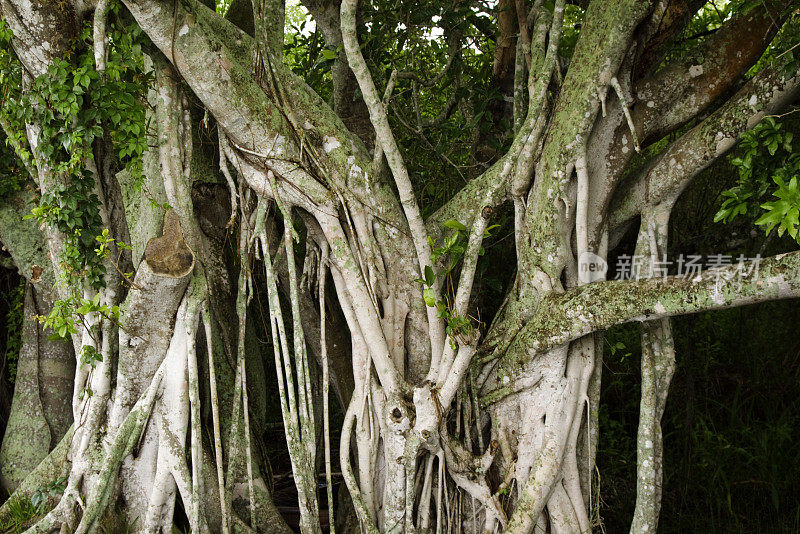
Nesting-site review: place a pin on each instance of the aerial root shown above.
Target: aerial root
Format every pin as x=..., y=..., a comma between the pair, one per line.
x=311, y=268
x=196, y=439
x=240, y=401
x=601, y=95
x=347, y=469
x=126, y=438
x=224, y=149
x=99, y=36
x=123, y=443
x=292, y=368
x=582, y=203
x=323, y=265
x=626, y=105
x=215, y=418
x=246, y=410
x=468, y=472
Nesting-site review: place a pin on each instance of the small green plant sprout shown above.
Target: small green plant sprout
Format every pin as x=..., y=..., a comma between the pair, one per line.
x=103, y=250
x=621, y=348
x=783, y=212
x=90, y=356
x=67, y=313
x=22, y=512
x=455, y=245
x=42, y=495
x=456, y=327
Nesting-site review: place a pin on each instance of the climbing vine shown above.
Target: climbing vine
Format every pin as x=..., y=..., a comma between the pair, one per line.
x=75, y=106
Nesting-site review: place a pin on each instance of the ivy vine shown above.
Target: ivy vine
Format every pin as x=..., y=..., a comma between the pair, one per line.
x=76, y=107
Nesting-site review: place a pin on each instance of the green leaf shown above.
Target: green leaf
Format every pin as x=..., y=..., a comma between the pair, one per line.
x=427, y=294
x=456, y=225
x=773, y=146
x=430, y=276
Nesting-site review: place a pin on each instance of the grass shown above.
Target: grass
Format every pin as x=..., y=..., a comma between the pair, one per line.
x=731, y=426
x=22, y=513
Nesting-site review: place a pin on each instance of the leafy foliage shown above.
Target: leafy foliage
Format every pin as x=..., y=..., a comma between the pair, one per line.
x=12, y=173
x=767, y=165
x=66, y=313
x=305, y=51
x=452, y=252
x=14, y=319
x=55, y=488
x=75, y=106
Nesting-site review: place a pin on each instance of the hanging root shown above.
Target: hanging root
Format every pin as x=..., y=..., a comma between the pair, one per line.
x=215, y=419
x=99, y=36
x=469, y=473
x=582, y=204
x=546, y=472
x=323, y=265
x=601, y=95
x=196, y=439
x=292, y=369
x=124, y=441
x=626, y=105
x=658, y=365
x=224, y=148
x=377, y=157
x=240, y=405
x=246, y=408
x=347, y=470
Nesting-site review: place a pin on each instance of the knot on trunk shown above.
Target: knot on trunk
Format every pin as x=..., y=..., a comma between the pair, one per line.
x=169, y=255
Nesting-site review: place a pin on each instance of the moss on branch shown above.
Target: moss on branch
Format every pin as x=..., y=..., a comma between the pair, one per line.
x=563, y=317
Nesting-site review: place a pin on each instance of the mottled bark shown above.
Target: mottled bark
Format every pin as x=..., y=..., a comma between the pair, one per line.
x=41, y=409
x=420, y=399
x=658, y=365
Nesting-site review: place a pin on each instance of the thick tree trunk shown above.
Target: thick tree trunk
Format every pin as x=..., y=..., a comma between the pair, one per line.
x=446, y=427
x=41, y=411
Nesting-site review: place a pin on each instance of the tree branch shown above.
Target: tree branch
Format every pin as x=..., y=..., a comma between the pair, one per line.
x=214, y=58
x=688, y=85
x=43, y=31
x=561, y=318
x=346, y=103
x=666, y=21
x=666, y=178
x=269, y=17
x=384, y=135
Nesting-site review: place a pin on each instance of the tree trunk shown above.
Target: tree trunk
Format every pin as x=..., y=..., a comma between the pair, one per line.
x=449, y=424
